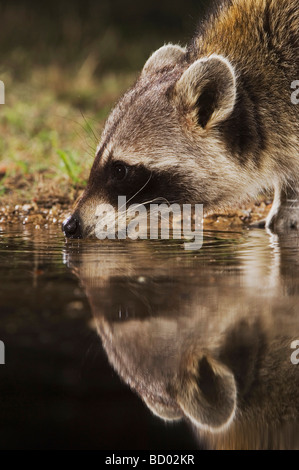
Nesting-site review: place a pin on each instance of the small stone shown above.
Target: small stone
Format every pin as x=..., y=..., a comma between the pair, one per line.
x=26, y=207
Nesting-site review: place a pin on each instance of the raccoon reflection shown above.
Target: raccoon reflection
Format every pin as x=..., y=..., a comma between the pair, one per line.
x=212, y=348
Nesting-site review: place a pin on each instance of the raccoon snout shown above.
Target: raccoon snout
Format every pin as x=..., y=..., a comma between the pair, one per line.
x=72, y=227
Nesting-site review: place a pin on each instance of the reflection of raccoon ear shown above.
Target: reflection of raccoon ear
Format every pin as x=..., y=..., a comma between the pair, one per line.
x=168, y=413
x=207, y=89
x=165, y=56
x=207, y=394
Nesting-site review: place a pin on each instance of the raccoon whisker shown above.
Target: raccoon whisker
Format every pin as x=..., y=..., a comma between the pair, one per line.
x=79, y=124
x=137, y=191
x=162, y=217
x=156, y=199
x=93, y=229
x=89, y=127
x=91, y=232
x=146, y=203
x=92, y=148
x=159, y=199
x=150, y=176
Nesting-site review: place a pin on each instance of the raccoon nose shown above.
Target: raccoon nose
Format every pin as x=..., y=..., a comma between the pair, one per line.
x=72, y=227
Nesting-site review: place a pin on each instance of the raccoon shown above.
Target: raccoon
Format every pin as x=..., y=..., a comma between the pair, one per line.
x=212, y=348
x=210, y=123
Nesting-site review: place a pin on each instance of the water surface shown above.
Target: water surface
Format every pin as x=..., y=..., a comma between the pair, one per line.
x=143, y=345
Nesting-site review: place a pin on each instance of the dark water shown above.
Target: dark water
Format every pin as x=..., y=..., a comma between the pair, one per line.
x=97, y=334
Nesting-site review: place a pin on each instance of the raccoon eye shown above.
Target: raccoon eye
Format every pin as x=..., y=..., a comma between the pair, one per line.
x=120, y=171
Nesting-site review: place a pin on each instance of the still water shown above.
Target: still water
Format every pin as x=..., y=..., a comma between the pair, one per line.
x=143, y=345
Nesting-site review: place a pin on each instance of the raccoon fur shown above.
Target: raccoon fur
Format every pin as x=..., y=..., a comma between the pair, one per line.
x=212, y=123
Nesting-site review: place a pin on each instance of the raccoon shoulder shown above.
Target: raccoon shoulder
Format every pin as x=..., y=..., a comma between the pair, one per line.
x=252, y=33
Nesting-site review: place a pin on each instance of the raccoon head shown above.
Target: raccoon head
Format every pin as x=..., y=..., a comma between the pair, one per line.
x=164, y=140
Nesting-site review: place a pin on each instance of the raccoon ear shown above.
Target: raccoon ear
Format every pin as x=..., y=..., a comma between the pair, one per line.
x=167, y=55
x=163, y=411
x=207, y=89
x=207, y=394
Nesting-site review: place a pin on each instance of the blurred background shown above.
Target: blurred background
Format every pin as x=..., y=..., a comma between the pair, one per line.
x=64, y=64
x=111, y=34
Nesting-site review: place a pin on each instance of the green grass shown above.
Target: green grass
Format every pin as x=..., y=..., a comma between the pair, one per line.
x=51, y=125
x=72, y=166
